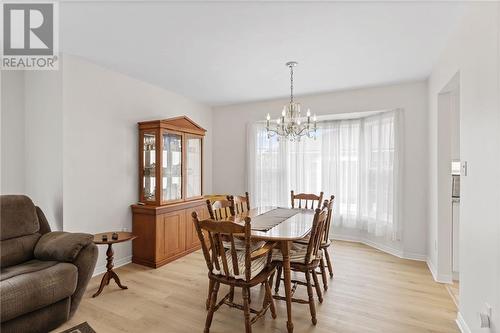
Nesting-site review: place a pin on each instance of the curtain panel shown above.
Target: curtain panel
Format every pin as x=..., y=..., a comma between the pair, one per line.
x=356, y=160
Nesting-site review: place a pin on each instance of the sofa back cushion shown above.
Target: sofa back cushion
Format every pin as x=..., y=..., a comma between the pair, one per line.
x=19, y=229
x=18, y=216
x=18, y=250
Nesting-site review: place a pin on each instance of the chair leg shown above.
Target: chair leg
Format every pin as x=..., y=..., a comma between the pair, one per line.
x=312, y=307
x=317, y=286
x=278, y=279
x=323, y=273
x=210, y=288
x=246, y=310
x=213, y=300
x=329, y=263
x=231, y=294
x=271, y=279
x=270, y=299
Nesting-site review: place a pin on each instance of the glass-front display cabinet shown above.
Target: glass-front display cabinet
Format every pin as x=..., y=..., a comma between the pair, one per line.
x=170, y=161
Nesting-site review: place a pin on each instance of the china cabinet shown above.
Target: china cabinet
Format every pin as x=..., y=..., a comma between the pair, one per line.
x=170, y=188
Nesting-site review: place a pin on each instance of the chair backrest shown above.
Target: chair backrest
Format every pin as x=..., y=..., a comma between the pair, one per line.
x=308, y=199
x=317, y=231
x=215, y=256
x=328, y=205
x=220, y=209
x=240, y=203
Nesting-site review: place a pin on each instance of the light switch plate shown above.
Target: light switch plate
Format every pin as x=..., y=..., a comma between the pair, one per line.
x=464, y=168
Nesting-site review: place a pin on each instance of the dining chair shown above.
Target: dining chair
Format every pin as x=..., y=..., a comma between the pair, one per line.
x=240, y=203
x=241, y=269
x=325, y=243
x=305, y=258
x=220, y=209
x=326, y=238
x=307, y=198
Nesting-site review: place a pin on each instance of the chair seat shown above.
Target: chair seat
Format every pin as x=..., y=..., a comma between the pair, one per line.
x=297, y=254
x=257, y=266
x=305, y=240
x=33, y=285
x=239, y=245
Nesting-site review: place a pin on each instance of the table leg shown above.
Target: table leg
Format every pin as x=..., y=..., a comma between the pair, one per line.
x=285, y=250
x=110, y=274
x=104, y=281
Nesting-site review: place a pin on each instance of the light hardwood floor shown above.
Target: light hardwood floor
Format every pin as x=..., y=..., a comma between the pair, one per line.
x=454, y=291
x=371, y=292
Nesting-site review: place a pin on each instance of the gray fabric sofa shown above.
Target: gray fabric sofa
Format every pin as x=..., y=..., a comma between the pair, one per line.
x=43, y=274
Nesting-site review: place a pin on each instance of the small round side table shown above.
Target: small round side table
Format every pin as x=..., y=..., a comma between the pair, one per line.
x=110, y=274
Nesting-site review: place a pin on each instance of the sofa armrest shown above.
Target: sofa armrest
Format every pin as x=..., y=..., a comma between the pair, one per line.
x=85, y=262
x=61, y=246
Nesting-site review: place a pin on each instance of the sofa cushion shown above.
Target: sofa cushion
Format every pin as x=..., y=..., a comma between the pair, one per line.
x=17, y=250
x=35, y=289
x=18, y=216
x=26, y=267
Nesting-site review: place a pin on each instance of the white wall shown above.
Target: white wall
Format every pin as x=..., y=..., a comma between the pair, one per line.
x=229, y=157
x=473, y=51
x=43, y=146
x=32, y=139
x=101, y=111
x=13, y=130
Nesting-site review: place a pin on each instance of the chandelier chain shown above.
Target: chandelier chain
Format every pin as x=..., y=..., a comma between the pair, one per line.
x=291, y=84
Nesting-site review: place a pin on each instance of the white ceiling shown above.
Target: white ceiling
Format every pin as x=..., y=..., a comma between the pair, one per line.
x=231, y=52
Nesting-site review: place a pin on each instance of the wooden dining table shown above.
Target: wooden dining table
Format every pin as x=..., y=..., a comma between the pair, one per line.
x=290, y=229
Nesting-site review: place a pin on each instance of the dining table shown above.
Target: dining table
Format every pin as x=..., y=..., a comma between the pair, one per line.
x=282, y=226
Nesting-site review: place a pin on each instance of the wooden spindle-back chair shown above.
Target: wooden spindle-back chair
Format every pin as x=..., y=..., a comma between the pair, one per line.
x=326, y=238
x=305, y=258
x=325, y=243
x=241, y=203
x=243, y=269
x=306, y=200
x=220, y=209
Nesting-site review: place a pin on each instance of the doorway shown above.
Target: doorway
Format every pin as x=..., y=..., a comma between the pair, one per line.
x=449, y=167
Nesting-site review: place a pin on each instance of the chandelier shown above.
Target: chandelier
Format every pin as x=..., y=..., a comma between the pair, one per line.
x=291, y=125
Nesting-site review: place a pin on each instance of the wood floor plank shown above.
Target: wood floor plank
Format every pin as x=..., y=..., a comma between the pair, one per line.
x=371, y=292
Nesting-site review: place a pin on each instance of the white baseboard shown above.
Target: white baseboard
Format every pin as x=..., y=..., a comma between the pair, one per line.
x=462, y=325
x=414, y=256
x=384, y=248
x=441, y=278
x=117, y=263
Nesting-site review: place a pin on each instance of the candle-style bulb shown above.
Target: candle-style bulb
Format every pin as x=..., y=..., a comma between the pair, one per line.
x=283, y=113
x=308, y=112
x=314, y=118
x=268, y=117
x=278, y=121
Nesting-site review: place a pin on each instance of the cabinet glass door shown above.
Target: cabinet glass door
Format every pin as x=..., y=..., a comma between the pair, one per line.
x=193, y=167
x=172, y=167
x=149, y=166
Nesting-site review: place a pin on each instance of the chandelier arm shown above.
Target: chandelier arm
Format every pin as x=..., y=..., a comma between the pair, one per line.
x=301, y=131
x=272, y=131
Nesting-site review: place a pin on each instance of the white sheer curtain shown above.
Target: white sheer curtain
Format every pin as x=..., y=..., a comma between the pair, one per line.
x=356, y=160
